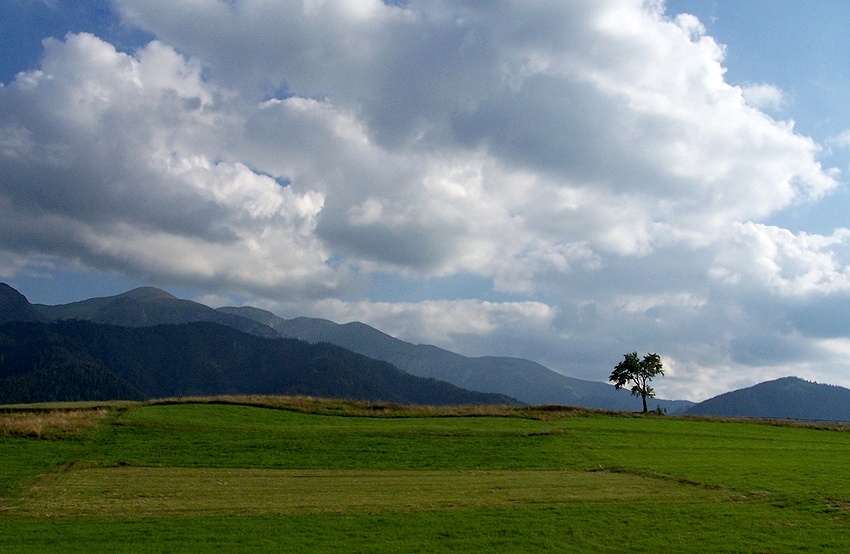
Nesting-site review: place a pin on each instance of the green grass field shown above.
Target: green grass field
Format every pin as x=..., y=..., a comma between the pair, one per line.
x=189, y=477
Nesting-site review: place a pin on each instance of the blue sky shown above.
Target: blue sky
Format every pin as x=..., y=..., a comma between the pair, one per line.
x=804, y=49
x=563, y=181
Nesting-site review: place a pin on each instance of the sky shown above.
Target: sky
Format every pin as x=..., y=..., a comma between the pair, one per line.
x=562, y=181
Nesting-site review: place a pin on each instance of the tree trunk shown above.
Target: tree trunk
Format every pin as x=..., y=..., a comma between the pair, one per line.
x=643, y=397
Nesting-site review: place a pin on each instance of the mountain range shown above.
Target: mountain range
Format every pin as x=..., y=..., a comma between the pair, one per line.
x=356, y=350
x=73, y=359
x=147, y=306
x=523, y=380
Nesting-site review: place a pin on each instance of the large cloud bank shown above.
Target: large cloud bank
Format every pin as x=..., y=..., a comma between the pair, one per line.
x=586, y=161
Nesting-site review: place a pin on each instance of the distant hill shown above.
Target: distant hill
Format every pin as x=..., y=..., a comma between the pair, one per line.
x=785, y=398
x=524, y=380
x=147, y=306
x=80, y=360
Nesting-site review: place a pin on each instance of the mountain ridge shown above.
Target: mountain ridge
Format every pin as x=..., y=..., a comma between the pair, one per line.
x=524, y=380
x=145, y=306
x=73, y=360
x=519, y=378
x=527, y=381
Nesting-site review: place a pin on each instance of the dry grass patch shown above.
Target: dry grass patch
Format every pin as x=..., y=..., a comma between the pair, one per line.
x=358, y=408
x=49, y=424
x=123, y=491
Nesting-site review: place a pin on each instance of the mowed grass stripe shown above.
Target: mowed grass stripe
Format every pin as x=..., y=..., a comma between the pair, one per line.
x=148, y=492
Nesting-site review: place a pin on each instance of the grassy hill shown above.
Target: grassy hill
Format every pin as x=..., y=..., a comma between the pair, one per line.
x=278, y=474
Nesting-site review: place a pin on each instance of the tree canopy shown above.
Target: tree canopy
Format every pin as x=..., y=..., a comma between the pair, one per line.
x=639, y=372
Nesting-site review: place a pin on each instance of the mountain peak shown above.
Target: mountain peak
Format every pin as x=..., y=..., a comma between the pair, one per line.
x=14, y=306
x=7, y=291
x=147, y=294
x=147, y=306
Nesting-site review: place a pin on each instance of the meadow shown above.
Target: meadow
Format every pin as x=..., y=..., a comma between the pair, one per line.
x=307, y=475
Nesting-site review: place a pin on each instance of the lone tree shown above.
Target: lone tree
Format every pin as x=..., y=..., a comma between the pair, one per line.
x=637, y=371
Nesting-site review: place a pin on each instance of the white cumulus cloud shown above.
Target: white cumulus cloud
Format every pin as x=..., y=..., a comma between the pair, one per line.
x=585, y=159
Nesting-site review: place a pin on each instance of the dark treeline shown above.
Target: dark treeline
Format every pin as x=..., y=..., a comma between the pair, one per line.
x=78, y=360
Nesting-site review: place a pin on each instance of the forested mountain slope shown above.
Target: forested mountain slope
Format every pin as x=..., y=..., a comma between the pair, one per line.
x=147, y=306
x=81, y=360
x=785, y=398
x=522, y=379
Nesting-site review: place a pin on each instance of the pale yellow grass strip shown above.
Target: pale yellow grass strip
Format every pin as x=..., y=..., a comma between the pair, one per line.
x=45, y=424
x=147, y=492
